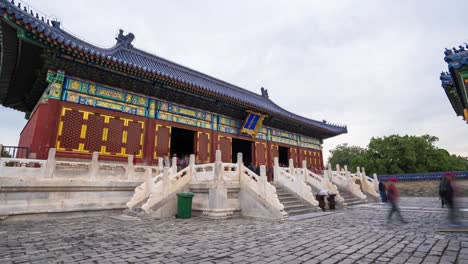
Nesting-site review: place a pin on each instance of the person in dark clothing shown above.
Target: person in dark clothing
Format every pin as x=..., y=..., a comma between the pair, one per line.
x=443, y=189
x=383, y=191
x=392, y=197
x=450, y=200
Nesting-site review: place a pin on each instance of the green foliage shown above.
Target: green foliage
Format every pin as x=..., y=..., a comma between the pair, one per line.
x=5, y=154
x=398, y=154
x=347, y=155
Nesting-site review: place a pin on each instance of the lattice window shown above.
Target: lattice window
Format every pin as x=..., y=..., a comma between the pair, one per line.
x=93, y=139
x=135, y=131
x=71, y=127
x=114, y=139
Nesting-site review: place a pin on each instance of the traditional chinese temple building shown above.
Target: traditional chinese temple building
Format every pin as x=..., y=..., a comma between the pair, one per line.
x=80, y=99
x=455, y=80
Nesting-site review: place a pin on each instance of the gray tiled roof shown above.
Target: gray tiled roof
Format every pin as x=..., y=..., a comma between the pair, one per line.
x=125, y=54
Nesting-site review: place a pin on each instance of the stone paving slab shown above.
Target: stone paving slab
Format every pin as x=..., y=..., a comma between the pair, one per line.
x=309, y=216
x=356, y=235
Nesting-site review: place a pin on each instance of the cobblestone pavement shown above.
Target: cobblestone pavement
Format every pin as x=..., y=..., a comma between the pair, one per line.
x=356, y=235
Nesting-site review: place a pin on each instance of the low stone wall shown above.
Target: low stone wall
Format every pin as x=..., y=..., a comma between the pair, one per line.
x=20, y=197
x=428, y=188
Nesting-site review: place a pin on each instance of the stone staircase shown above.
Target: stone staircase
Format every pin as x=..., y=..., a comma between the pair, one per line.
x=349, y=198
x=293, y=205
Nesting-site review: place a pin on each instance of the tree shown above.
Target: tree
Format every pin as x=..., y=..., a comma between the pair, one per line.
x=347, y=155
x=5, y=154
x=397, y=154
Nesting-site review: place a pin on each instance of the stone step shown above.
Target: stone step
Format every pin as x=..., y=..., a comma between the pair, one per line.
x=295, y=207
x=286, y=195
x=288, y=199
x=301, y=211
x=283, y=193
x=289, y=202
x=351, y=199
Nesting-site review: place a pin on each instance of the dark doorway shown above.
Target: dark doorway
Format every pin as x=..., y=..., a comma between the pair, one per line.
x=243, y=146
x=182, y=142
x=283, y=156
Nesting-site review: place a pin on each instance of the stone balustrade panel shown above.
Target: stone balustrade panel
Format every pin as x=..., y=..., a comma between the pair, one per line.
x=203, y=172
x=294, y=184
x=262, y=187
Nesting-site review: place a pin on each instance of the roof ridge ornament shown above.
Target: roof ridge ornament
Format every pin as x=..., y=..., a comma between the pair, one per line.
x=446, y=79
x=55, y=23
x=264, y=93
x=125, y=40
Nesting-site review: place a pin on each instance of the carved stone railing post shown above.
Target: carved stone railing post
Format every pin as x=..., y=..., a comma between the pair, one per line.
x=291, y=167
x=192, y=167
x=329, y=172
x=174, y=165
x=376, y=183
x=149, y=180
x=263, y=181
x=338, y=168
x=240, y=164
x=303, y=173
x=166, y=181
x=218, y=168
x=94, y=166
x=275, y=169
x=130, y=167
x=51, y=163
x=160, y=165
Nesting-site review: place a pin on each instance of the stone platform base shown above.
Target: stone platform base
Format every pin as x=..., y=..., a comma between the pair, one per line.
x=60, y=215
x=24, y=199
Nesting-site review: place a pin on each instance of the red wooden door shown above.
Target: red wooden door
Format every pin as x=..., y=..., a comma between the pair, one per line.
x=162, y=141
x=203, y=147
x=225, y=145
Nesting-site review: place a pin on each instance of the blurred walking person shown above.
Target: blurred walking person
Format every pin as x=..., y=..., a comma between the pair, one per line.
x=443, y=189
x=392, y=197
x=450, y=199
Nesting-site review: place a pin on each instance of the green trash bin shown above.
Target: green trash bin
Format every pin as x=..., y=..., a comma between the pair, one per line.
x=184, y=205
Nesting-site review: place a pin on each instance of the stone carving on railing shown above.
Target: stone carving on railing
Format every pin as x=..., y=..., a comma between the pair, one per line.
x=93, y=170
x=259, y=185
x=293, y=183
x=337, y=177
x=142, y=192
x=345, y=179
x=168, y=184
x=320, y=182
x=367, y=184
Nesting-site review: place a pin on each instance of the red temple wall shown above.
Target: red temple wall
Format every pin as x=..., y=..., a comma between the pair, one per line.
x=78, y=130
x=27, y=135
x=39, y=132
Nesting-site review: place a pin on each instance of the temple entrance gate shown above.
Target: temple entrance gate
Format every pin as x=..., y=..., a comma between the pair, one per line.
x=283, y=156
x=244, y=147
x=182, y=142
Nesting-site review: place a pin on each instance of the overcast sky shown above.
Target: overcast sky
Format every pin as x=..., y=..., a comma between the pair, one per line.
x=372, y=65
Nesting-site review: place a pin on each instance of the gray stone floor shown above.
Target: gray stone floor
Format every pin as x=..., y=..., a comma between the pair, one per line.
x=355, y=235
